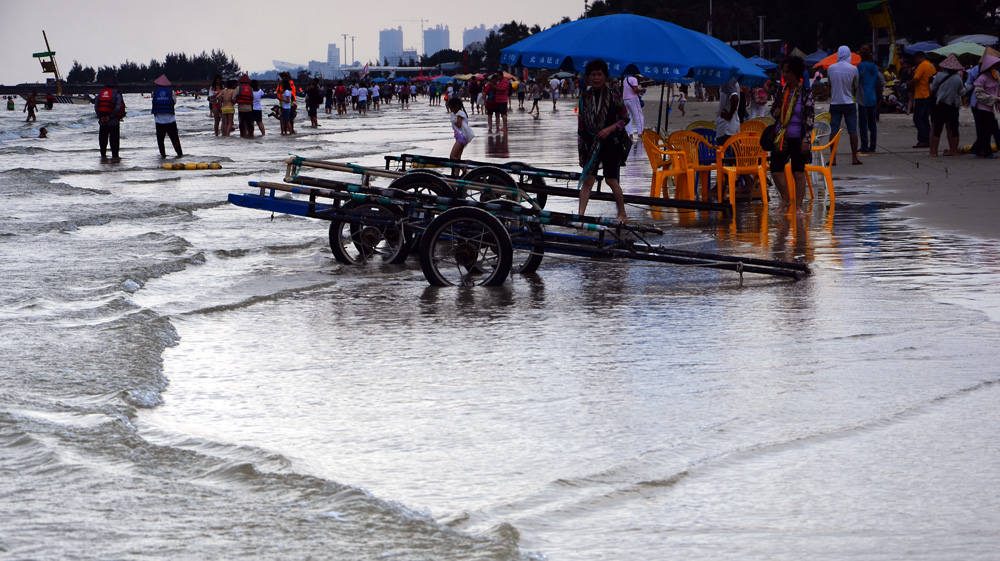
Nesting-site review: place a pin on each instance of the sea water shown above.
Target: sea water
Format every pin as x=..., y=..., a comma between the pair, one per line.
x=183, y=378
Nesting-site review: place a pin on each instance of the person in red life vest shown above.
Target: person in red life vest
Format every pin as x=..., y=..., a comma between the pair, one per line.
x=110, y=109
x=244, y=106
x=164, y=100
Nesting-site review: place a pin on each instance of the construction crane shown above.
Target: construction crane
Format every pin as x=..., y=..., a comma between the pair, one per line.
x=422, y=22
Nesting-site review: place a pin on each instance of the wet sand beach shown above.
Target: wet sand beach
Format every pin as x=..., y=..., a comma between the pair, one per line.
x=187, y=379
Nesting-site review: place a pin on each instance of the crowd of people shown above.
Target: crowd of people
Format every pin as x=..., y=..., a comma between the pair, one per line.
x=610, y=110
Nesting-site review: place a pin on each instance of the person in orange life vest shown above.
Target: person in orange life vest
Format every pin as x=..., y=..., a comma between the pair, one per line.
x=110, y=109
x=163, y=115
x=244, y=106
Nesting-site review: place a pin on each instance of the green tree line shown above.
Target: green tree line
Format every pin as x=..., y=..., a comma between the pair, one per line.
x=178, y=67
x=810, y=26
x=813, y=25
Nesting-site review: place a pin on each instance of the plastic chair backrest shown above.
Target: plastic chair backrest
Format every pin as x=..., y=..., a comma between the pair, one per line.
x=701, y=125
x=743, y=149
x=821, y=130
x=692, y=144
x=823, y=117
x=767, y=119
x=706, y=154
x=650, y=142
x=831, y=145
x=753, y=126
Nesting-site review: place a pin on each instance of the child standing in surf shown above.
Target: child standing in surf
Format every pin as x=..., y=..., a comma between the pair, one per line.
x=460, y=126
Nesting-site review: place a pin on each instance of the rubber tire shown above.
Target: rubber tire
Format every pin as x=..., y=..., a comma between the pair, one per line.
x=491, y=176
x=466, y=232
x=526, y=259
x=516, y=168
x=395, y=250
x=423, y=182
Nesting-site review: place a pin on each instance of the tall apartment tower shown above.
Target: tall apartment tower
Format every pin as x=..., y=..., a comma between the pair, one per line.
x=390, y=46
x=333, y=56
x=479, y=33
x=436, y=39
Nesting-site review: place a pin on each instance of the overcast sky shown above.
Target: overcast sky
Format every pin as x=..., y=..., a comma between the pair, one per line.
x=105, y=33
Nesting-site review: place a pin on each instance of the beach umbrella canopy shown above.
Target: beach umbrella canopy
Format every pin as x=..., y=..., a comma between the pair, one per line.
x=379, y=80
x=979, y=39
x=748, y=73
x=421, y=79
x=630, y=44
x=826, y=62
x=921, y=47
x=400, y=80
x=464, y=77
x=562, y=75
x=441, y=79
x=816, y=57
x=966, y=52
x=762, y=62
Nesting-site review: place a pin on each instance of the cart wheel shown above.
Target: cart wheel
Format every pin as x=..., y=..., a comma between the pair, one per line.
x=524, y=237
x=533, y=181
x=423, y=182
x=377, y=237
x=466, y=246
x=491, y=176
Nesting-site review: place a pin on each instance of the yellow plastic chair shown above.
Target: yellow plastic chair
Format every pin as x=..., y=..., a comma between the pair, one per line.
x=699, y=155
x=701, y=125
x=823, y=117
x=747, y=158
x=666, y=164
x=753, y=125
x=825, y=169
x=768, y=120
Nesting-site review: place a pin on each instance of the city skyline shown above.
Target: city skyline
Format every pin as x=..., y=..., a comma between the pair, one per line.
x=132, y=34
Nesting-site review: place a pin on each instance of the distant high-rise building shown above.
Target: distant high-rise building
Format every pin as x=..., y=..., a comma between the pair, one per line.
x=390, y=46
x=410, y=56
x=477, y=34
x=436, y=39
x=333, y=56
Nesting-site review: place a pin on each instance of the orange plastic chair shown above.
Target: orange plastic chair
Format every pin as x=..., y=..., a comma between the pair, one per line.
x=667, y=163
x=747, y=158
x=825, y=170
x=699, y=154
x=753, y=126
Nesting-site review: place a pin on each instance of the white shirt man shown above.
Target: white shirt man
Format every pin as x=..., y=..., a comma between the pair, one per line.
x=631, y=92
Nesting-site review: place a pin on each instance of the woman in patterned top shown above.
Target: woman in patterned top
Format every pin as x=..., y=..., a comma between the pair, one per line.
x=793, y=114
x=601, y=140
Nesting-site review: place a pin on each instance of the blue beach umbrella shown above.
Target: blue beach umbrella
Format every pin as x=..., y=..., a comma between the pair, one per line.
x=762, y=62
x=921, y=47
x=812, y=59
x=379, y=80
x=748, y=73
x=442, y=79
x=630, y=44
x=400, y=80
